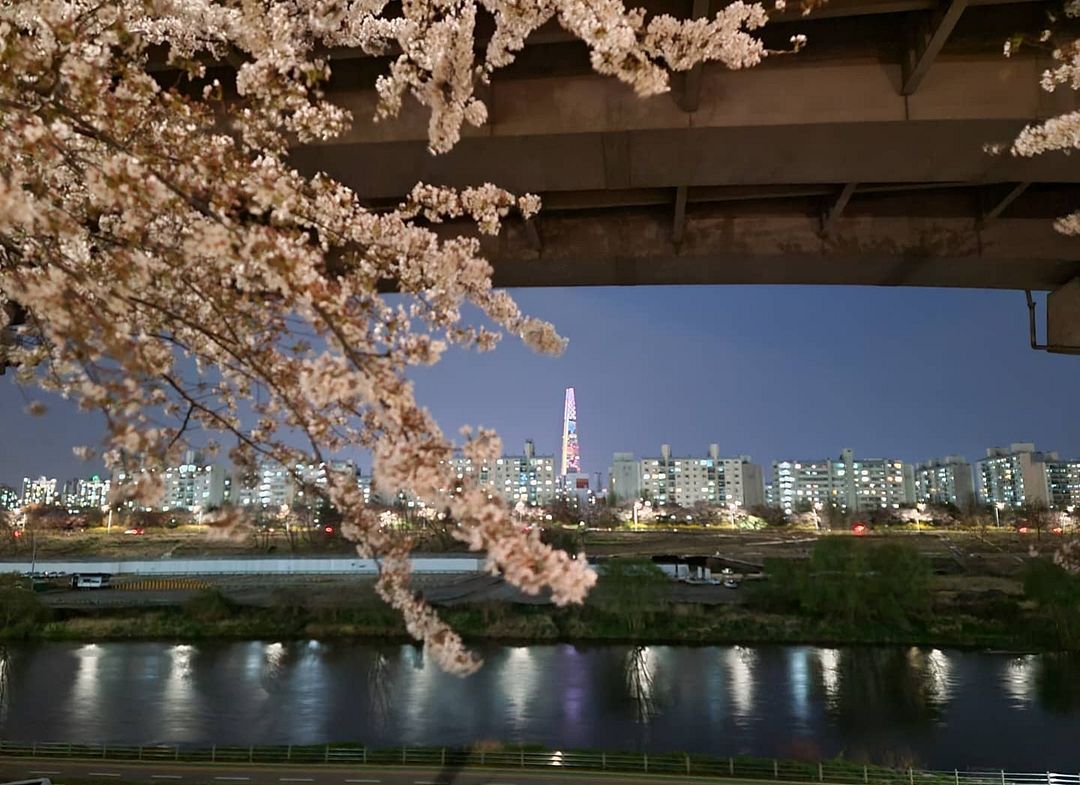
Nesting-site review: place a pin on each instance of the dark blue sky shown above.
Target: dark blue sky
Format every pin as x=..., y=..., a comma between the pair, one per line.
x=765, y=371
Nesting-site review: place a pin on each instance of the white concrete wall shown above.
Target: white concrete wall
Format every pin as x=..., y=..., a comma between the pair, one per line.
x=241, y=566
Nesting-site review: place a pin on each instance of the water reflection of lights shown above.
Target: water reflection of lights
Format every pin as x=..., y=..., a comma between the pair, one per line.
x=517, y=679
x=740, y=667
x=254, y=657
x=1019, y=679
x=379, y=685
x=274, y=654
x=940, y=671
x=85, y=696
x=178, y=684
x=936, y=668
x=271, y=677
x=640, y=673
x=5, y=675
x=800, y=684
x=420, y=689
x=829, y=660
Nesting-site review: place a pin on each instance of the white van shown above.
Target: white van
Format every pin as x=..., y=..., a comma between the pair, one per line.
x=96, y=580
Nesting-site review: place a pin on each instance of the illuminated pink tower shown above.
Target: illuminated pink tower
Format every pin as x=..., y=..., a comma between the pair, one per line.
x=571, y=457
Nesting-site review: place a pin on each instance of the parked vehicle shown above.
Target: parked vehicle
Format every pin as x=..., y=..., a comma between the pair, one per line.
x=97, y=580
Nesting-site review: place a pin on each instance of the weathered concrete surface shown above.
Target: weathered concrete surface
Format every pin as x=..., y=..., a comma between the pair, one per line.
x=643, y=192
x=822, y=123
x=634, y=247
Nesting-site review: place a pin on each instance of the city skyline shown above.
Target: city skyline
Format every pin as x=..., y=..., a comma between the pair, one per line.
x=642, y=380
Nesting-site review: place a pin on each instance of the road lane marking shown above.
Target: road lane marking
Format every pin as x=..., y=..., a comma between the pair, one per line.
x=363, y=780
x=102, y=774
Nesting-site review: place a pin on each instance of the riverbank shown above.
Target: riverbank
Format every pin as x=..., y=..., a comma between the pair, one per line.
x=208, y=616
x=847, y=592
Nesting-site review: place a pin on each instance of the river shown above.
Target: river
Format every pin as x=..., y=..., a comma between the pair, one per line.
x=897, y=705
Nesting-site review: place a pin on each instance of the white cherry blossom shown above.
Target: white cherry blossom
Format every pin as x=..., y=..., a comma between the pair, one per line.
x=161, y=262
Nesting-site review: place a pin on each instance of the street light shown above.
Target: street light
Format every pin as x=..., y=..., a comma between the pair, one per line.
x=998, y=507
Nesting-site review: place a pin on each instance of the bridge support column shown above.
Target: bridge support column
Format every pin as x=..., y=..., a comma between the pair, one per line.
x=1063, y=318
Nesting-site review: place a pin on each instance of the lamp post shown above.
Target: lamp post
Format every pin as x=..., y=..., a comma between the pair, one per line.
x=998, y=507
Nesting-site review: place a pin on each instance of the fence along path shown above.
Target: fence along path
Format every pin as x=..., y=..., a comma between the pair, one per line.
x=741, y=768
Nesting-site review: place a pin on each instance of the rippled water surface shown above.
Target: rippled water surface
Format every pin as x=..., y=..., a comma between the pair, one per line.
x=924, y=706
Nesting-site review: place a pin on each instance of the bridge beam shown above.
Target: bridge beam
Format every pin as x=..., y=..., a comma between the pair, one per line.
x=929, y=42
x=751, y=244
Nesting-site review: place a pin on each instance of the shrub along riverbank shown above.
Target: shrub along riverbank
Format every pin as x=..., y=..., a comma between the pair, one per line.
x=847, y=592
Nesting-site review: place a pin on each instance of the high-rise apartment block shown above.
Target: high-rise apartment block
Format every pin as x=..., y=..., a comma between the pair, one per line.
x=42, y=491
x=193, y=485
x=945, y=481
x=528, y=478
x=1014, y=476
x=625, y=477
x=83, y=494
x=1020, y=475
x=1063, y=481
x=275, y=486
x=849, y=483
x=9, y=500
x=686, y=481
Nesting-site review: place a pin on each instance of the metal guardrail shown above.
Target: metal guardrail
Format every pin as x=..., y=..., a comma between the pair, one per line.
x=838, y=772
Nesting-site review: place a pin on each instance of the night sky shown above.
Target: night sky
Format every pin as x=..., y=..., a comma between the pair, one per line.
x=797, y=372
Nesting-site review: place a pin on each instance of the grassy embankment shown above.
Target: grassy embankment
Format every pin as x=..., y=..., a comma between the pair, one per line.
x=846, y=592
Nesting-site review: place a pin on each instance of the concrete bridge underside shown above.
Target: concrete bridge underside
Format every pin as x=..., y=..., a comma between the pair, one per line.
x=861, y=160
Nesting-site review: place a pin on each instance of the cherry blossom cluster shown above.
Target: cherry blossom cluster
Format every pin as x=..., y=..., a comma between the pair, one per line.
x=163, y=264
x=1068, y=556
x=1061, y=133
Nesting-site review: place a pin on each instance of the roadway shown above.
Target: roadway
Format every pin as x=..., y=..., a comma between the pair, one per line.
x=164, y=773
